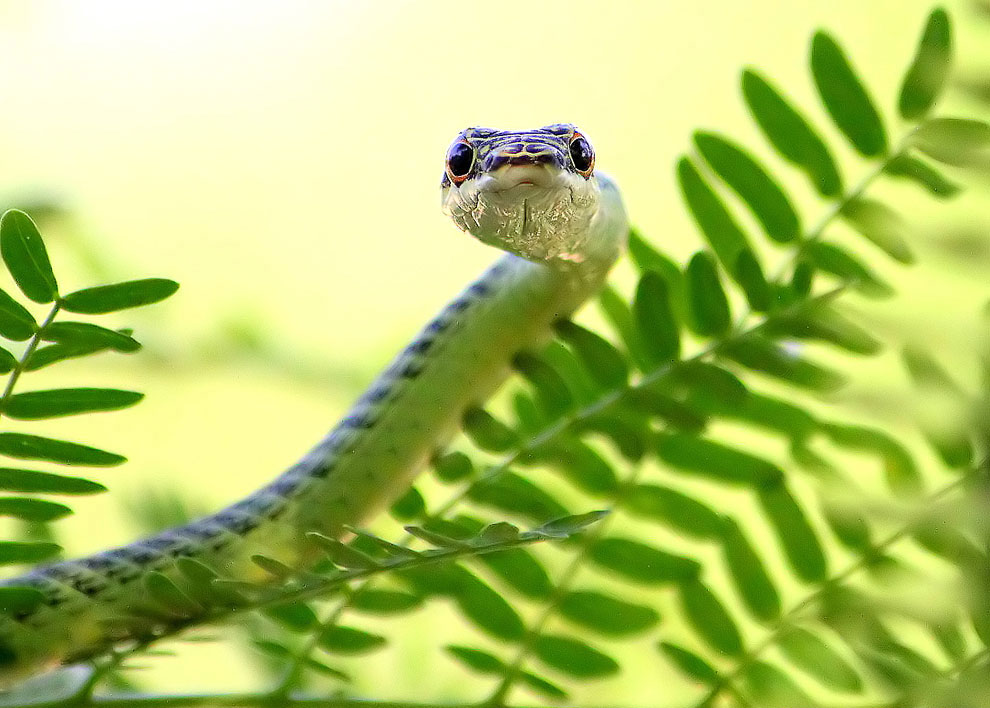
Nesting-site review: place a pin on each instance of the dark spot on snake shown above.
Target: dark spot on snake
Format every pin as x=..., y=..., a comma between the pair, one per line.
x=421, y=345
x=460, y=304
x=479, y=288
x=7, y=655
x=358, y=420
x=411, y=369
x=513, y=148
x=437, y=325
x=284, y=486
x=376, y=394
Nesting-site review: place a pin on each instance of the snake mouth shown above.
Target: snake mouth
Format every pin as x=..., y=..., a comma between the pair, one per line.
x=522, y=177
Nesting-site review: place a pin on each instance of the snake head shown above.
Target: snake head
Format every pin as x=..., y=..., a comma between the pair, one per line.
x=530, y=192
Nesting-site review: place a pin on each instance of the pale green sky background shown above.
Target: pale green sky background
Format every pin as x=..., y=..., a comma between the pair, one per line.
x=282, y=159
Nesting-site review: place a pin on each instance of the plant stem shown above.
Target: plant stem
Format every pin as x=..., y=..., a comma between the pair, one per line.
x=26, y=356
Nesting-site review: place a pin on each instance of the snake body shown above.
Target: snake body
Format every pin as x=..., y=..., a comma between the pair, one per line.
x=532, y=193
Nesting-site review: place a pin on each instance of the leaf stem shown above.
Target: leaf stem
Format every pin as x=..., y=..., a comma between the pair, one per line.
x=32, y=345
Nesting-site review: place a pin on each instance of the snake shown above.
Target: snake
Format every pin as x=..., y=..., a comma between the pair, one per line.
x=534, y=194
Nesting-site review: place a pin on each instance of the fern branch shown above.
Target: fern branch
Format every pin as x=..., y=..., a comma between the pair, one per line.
x=786, y=620
x=32, y=345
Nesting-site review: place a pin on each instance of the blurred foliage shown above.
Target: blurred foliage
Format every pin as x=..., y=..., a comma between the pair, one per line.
x=772, y=541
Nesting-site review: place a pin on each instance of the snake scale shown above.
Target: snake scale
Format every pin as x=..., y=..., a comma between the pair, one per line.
x=534, y=194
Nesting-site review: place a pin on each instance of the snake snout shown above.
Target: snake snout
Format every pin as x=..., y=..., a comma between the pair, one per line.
x=513, y=154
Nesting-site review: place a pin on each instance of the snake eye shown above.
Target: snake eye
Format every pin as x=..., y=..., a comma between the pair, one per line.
x=582, y=155
x=460, y=160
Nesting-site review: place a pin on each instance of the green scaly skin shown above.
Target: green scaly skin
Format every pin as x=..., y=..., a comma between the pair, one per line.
x=563, y=228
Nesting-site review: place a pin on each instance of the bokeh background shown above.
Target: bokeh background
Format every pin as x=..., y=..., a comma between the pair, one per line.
x=281, y=161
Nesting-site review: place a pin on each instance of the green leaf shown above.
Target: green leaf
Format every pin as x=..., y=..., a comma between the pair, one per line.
x=824, y=324
x=296, y=617
x=606, y=614
x=850, y=527
x=15, y=600
x=24, y=252
x=709, y=304
x=477, y=660
x=749, y=574
x=754, y=185
x=709, y=618
x=955, y=141
x=53, y=403
x=926, y=77
x=167, y=594
x=921, y=173
x=487, y=609
x=759, y=354
x=84, y=334
x=881, y=225
x=12, y=552
x=15, y=321
x=409, y=506
x=647, y=258
x=678, y=510
x=845, y=98
x=543, y=687
x=53, y=353
x=119, y=296
x=642, y=563
x=652, y=400
x=580, y=464
x=659, y=331
x=750, y=277
x=839, y=262
x=552, y=392
x=715, y=461
x=944, y=418
x=601, y=359
x=34, y=447
x=574, y=657
x=712, y=381
x=274, y=567
x=32, y=509
x=17, y=480
x=717, y=224
x=620, y=316
x=7, y=361
x=903, y=475
x=453, y=467
x=794, y=531
x=567, y=526
x=341, y=554
x=791, y=134
x=487, y=432
x=340, y=639
x=817, y=659
x=691, y=664
x=772, y=688
x=521, y=570
x=384, y=602
x=516, y=495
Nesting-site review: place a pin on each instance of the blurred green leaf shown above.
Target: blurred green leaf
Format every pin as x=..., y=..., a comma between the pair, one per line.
x=35, y=405
x=580, y=464
x=487, y=432
x=521, y=570
x=749, y=574
x=567, y=526
x=91, y=335
x=166, y=593
x=574, y=657
x=477, y=660
x=384, y=602
x=881, y=225
x=620, y=316
x=902, y=474
x=642, y=563
x=12, y=552
x=17, y=480
x=948, y=433
x=794, y=531
x=678, y=510
x=7, y=361
x=15, y=321
x=839, y=262
x=551, y=391
x=659, y=331
x=517, y=495
x=850, y=527
x=453, y=467
x=709, y=304
x=409, y=506
x=759, y=354
x=603, y=361
x=340, y=639
x=955, y=141
x=749, y=274
x=824, y=324
x=920, y=172
x=15, y=600
x=647, y=258
x=487, y=609
x=119, y=296
x=32, y=509
x=791, y=134
x=845, y=98
x=717, y=224
x=715, y=461
x=772, y=688
x=34, y=447
x=606, y=614
x=926, y=77
x=817, y=659
x=754, y=185
x=690, y=663
x=53, y=353
x=296, y=616
x=24, y=253
x=341, y=554
x=709, y=618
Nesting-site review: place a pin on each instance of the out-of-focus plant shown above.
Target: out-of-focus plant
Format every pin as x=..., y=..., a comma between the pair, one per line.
x=766, y=547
